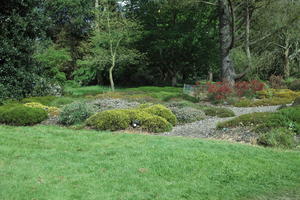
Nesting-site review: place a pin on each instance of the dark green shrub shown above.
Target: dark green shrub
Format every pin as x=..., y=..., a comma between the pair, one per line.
x=294, y=85
x=109, y=120
x=251, y=120
x=163, y=112
x=219, y=112
x=75, y=113
x=187, y=114
x=45, y=100
x=19, y=115
x=280, y=137
x=296, y=102
x=292, y=113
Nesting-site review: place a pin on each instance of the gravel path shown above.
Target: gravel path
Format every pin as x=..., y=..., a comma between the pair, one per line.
x=207, y=127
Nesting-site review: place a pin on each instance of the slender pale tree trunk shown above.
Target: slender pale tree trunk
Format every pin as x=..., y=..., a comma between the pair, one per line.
x=111, y=80
x=226, y=42
x=247, y=42
x=286, y=62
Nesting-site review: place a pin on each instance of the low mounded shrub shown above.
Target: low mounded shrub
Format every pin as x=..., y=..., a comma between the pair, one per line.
x=280, y=137
x=251, y=119
x=263, y=102
x=295, y=85
x=163, y=112
x=219, y=112
x=156, y=124
x=52, y=111
x=121, y=119
x=187, y=114
x=296, y=102
x=20, y=115
x=75, y=113
x=112, y=120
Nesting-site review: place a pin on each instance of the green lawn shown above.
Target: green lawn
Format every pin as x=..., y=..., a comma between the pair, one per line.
x=48, y=163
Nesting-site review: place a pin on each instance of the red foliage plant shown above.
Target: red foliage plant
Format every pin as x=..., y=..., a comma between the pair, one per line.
x=222, y=90
x=219, y=90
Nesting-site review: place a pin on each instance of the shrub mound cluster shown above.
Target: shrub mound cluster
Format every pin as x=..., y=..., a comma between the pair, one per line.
x=187, y=114
x=75, y=113
x=156, y=118
x=52, y=111
x=20, y=115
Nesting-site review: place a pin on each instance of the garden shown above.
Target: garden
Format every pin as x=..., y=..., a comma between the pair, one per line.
x=149, y=100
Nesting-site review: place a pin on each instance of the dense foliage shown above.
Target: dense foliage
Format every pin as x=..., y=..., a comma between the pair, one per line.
x=20, y=115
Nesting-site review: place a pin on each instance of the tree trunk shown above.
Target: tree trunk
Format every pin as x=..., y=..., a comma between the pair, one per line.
x=286, y=62
x=226, y=41
x=174, y=80
x=111, y=80
x=210, y=76
x=247, y=42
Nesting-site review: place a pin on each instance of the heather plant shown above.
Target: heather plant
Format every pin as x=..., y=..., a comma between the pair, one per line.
x=75, y=113
x=109, y=104
x=187, y=114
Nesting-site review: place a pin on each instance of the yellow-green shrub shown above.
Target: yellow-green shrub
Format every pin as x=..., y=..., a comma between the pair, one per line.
x=271, y=102
x=53, y=111
x=163, y=112
x=121, y=119
x=280, y=93
x=109, y=120
x=149, y=122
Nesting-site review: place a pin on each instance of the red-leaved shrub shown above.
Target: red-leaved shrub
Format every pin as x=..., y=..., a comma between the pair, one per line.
x=221, y=90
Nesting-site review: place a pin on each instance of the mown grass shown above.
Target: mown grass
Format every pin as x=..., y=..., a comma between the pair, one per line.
x=87, y=90
x=45, y=162
x=161, y=93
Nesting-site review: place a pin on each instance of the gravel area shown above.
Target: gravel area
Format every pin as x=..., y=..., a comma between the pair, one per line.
x=207, y=128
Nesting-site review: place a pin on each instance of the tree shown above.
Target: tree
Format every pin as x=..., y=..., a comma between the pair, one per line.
x=180, y=39
x=110, y=41
x=21, y=25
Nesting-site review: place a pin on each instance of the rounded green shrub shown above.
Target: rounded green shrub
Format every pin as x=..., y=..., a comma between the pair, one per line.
x=156, y=124
x=187, y=114
x=219, y=112
x=75, y=113
x=20, y=115
x=295, y=85
x=149, y=122
x=296, y=102
x=163, y=112
x=280, y=137
x=109, y=120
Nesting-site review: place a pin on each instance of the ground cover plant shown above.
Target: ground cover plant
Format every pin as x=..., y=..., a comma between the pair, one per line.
x=88, y=164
